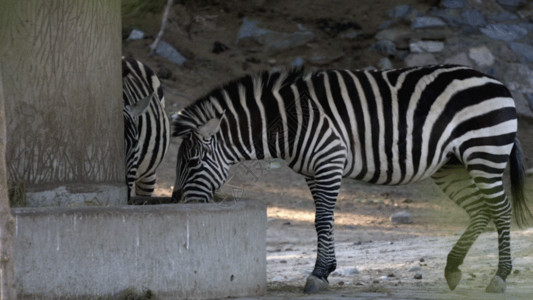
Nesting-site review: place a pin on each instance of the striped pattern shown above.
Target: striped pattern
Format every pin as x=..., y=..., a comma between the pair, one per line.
x=147, y=135
x=451, y=123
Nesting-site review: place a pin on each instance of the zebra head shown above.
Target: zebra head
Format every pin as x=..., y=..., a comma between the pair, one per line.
x=200, y=168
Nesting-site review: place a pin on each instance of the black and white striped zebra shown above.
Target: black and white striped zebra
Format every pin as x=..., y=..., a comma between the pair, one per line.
x=146, y=125
x=451, y=123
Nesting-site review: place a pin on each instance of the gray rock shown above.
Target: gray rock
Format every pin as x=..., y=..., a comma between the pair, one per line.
x=385, y=64
x=350, y=34
x=481, y=56
x=426, y=46
x=324, y=60
x=418, y=276
x=250, y=30
x=297, y=62
x=420, y=59
x=345, y=272
x=281, y=41
x=402, y=217
x=452, y=3
x=525, y=50
x=503, y=16
x=271, y=39
x=427, y=22
x=519, y=77
x=526, y=25
x=473, y=17
x=392, y=34
x=459, y=59
x=415, y=269
x=511, y=3
x=450, y=16
x=385, y=47
x=386, y=24
x=136, y=34
x=165, y=50
x=504, y=32
x=400, y=11
x=529, y=97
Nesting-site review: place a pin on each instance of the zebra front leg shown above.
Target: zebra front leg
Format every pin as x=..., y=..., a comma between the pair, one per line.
x=324, y=193
x=145, y=186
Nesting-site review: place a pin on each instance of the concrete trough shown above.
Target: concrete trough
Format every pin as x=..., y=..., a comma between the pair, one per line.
x=180, y=251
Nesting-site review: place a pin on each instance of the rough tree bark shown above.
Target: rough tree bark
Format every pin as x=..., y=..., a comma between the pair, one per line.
x=63, y=88
x=7, y=269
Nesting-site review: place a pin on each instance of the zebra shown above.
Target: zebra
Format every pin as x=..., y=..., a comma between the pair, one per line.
x=449, y=122
x=146, y=125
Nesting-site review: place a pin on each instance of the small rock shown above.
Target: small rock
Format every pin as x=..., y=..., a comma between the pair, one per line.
x=274, y=41
x=525, y=50
x=249, y=30
x=218, y=47
x=427, y=22
x=503, y=16
x=385, y=47
x=529, y=97
x=400, y=11
x=392, y=34
x=453, y=3
x=297, y=62
x=422, y=259
x=512, y=4
x=345, y=272
x=418, y=276
x=420, y=59
x=426, y=46
x=516, y=272
x=402, y=217
x=504, y=32
x=385, y=64
x=415, y=269
x=459, y=59
x=165, y=50
x=473, y=17
x=350, y=34
x=481, y=56
x=136, y=34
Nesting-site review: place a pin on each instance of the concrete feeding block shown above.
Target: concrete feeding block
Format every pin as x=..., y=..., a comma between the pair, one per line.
x=178, y=251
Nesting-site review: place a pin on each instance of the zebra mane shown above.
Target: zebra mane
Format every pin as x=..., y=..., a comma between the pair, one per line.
x=260, y=84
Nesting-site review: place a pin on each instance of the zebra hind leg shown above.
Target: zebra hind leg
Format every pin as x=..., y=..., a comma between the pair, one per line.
x=324, y=191
x=145, y=186
x=459, y=186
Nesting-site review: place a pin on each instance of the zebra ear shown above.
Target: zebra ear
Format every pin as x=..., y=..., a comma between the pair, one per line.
x=210, y=128
x=140, y=106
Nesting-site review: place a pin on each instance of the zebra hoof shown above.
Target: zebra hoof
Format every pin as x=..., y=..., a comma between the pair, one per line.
x=496, y=285
x=315, y=285
x=453, y=278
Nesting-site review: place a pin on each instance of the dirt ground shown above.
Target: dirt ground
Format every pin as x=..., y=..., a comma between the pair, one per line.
x=376, y=259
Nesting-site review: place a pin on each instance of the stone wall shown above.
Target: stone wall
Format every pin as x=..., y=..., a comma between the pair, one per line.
x=493, y=36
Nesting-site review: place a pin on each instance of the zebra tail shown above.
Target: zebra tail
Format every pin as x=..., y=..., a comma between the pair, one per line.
x=520, y=210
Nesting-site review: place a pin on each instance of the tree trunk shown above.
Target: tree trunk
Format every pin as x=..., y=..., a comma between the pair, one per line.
x=7, y=268
x=61, y=63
